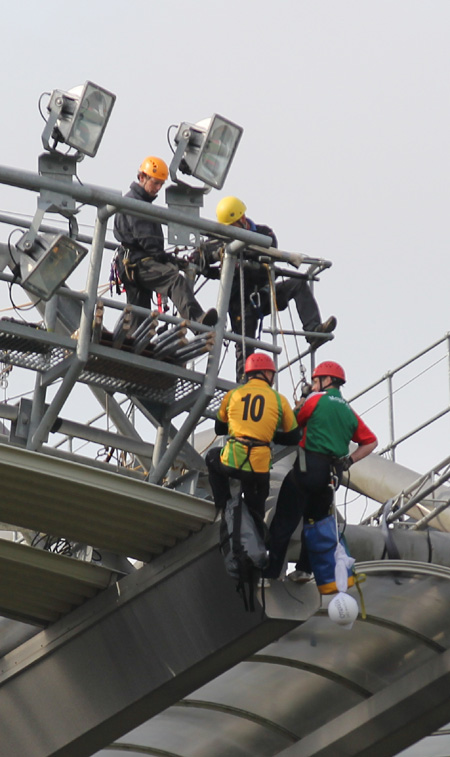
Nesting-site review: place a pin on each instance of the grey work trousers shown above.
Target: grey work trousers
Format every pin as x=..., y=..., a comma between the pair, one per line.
x=150, y=275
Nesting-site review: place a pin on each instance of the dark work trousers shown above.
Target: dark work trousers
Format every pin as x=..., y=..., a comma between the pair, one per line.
x=255, y=486
x=306, y=495
x=151, y=275
x=292, y=289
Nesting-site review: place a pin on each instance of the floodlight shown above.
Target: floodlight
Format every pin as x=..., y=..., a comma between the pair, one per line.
x=79, y=117
x=210, y=146
x=49, y=262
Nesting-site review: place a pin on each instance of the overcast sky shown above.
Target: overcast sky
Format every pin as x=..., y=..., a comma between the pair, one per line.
x=346, y=117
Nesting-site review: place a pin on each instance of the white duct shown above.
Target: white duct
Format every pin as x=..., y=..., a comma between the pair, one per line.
x=294, y=258
x=382, y=479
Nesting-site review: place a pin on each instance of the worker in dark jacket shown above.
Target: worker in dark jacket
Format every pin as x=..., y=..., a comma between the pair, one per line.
x=143, y=265
x=253, y=415
x=329, y=424
x=256, y=295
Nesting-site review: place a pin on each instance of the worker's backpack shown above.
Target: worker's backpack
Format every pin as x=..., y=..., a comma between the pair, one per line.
x=243, y=547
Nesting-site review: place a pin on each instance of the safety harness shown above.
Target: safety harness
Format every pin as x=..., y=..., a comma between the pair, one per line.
x=250, y=444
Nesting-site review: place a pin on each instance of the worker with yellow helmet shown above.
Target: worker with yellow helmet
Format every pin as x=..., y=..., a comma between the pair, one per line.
x=143, y=265
x=231, y=211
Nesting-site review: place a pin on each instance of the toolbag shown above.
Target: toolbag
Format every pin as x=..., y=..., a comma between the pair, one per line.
x=243, y=547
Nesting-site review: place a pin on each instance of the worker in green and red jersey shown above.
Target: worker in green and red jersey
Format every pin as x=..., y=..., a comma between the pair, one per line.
x=329, y=424
x=253, y=415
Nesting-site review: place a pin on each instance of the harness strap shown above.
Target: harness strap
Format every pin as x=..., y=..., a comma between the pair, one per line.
x=301, y=459
x=250, y=444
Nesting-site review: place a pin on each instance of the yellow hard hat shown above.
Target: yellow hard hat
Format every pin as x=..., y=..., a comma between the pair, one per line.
x=154, y=167
x=229, y=210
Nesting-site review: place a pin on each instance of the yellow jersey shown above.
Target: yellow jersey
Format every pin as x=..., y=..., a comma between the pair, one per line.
x=253, y=412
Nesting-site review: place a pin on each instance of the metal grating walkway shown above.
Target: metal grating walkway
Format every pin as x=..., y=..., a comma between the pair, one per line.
x=112, y=370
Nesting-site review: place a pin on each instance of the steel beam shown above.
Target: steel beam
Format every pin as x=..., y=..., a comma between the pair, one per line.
x=99, y=196
x=121, y=658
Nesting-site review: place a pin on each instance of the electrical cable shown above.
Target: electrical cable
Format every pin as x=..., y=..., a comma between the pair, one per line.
x=40, y=105
x=172, y=126
x=281, y=330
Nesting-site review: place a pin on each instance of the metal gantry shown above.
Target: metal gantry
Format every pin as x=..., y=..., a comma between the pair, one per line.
x=161, y=390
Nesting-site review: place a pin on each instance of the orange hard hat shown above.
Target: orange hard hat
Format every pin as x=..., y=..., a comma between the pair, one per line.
x=154, y=167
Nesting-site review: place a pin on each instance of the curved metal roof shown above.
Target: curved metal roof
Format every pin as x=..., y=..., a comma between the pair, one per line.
x=317, y=690
x=318, y=673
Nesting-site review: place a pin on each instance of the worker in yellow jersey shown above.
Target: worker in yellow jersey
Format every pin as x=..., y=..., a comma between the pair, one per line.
x=253, y=415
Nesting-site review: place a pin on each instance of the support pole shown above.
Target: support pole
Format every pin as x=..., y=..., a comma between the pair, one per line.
x=212, y=370
x=82, y=352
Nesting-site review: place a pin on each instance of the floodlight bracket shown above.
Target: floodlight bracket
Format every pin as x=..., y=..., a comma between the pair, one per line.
x=62, y=168
x=179, y=152
x=189, y=200
x=55, y=106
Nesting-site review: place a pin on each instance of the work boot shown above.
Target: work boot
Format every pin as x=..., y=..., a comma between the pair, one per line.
x=299, y=576
x=209, y=318
x=323, y=328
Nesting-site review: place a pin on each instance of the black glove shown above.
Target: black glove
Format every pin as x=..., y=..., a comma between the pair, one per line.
x=162, y=257
x=347, y=462
x=306, y=390
x=212, y=250
x=195, y=257
x=182, y=263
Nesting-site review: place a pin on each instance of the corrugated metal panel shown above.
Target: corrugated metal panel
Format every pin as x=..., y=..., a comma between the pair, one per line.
x=95, y=507
x=39, y=587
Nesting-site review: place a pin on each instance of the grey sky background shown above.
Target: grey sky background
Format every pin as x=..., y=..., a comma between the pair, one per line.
x=346, y=117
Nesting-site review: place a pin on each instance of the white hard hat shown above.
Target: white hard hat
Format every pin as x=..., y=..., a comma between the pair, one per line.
x=343, y=610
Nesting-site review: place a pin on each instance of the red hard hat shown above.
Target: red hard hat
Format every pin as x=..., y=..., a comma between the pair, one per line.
x=329, y=368
x=259, y=361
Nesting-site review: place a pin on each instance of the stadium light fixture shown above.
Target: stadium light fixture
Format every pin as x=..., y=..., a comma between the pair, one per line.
x=78, y=118
x=48, y=263
x=206, y=149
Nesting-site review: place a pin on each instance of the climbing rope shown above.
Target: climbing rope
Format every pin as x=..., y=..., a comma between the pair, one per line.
x=242, y=294
x=358, y=578
x=281, y=330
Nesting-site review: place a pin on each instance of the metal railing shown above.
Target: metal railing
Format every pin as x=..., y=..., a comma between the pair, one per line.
x=390, y=392
x=422, y=501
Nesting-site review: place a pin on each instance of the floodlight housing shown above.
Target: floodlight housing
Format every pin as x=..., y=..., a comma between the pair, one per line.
x=79, y=117
x=49, y=262
x=210, y=149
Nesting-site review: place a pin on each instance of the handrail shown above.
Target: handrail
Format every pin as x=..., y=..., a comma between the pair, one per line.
x=388, y=379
